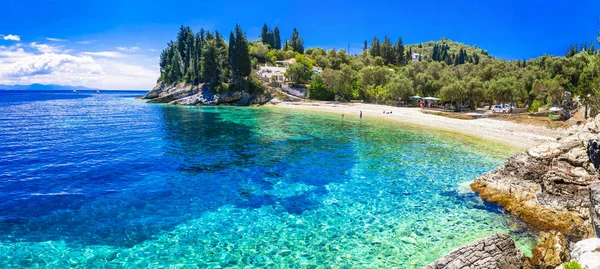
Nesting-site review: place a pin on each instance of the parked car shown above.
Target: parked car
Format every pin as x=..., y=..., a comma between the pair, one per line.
x=499, y=109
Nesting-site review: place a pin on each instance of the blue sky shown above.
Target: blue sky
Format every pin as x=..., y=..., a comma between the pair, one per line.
x=115, y=44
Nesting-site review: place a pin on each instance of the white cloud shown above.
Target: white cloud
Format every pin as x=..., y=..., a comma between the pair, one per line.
x=11, y=37
x=86, y=42
x=56, y=39
x=128, y=49
x=43, y=48
x=49, y=65
x=107, y=54
x=151, y=50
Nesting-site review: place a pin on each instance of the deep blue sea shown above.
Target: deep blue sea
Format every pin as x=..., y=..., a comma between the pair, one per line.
x=103, y=180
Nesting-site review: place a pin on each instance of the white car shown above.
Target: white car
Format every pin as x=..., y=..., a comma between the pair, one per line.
x=499, y=109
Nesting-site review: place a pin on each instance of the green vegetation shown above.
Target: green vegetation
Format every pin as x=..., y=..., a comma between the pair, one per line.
x=385, y=72
x=571, y=265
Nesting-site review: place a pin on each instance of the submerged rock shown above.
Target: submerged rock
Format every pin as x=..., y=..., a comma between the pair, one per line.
x=547, y=186
x=494, y=252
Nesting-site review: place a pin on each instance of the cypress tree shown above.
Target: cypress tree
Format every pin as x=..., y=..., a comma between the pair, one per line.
x=297, y=42
x=276, y=39
x=399, y=47
x=365, y=46
x=264, y=35
x=232, y=57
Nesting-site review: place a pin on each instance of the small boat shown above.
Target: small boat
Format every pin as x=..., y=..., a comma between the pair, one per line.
x=74, y=90
x=97, y=91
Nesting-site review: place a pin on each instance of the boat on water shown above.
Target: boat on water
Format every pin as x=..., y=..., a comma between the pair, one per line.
x=97, y=91
x=74, y=90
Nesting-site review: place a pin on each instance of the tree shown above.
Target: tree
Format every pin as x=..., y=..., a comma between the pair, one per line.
x=233, y=64
x=264, y=35
x=241, y=51
x=297, y=43
x=317, y=90
x=259, y=50
x=388, y=53
x=399, y=48
x=399, y=87
x=339, y=82
x=212, y=69
x=375, y=48
x=297, y=73
x=276, y=38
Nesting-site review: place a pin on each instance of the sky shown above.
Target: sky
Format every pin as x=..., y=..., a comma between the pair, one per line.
x=116, y=44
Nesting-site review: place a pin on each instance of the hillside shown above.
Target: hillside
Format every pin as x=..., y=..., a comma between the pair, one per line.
x=43, y=87
x=448, y=47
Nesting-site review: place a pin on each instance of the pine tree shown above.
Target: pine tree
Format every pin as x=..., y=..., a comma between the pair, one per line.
x=365, y=46
x=375, y=48
x=276, y=39
x=242, y=56
x=211, y=64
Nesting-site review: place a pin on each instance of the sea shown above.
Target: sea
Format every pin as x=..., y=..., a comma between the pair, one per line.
x=105, y=180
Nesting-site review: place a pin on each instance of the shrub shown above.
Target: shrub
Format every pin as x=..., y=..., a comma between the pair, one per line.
x=535, y=105
x=317, y=90
x=571, y=265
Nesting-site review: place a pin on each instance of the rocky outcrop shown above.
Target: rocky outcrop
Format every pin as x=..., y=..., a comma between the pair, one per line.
x=551, y=250
x=595, y=207
x=494, y=252
x=547, y=186
x=587, y=253
x=185, y=94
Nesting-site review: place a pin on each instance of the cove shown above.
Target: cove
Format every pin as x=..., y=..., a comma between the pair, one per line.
x=94, y=180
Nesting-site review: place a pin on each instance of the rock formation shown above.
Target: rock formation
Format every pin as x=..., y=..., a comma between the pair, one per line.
x=595, y=207
x=547, y=186
x=493, y=252
x=551, y=250
x=184, y=94
x=587, y=253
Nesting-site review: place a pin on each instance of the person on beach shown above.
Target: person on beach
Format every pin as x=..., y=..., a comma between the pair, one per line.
x=361, y=114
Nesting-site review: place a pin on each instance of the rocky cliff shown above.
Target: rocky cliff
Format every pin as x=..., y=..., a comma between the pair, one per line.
x=495, y=252
x=548, y=185
x=185, y=94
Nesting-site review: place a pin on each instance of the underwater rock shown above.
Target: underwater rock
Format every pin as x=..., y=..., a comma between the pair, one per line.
x=493, y=252
x=547, y=186
x=551, y=250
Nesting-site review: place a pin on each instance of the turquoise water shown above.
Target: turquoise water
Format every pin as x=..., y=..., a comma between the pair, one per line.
x=103, y=180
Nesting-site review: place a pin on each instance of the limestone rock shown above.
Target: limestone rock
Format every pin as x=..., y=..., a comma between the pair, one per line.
x=547, y=186
x=493, y=252
x=551, y=250
x=595, y=207
x=587, y=253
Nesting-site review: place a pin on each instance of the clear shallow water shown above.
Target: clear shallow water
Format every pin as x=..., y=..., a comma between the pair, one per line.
x=92, y=180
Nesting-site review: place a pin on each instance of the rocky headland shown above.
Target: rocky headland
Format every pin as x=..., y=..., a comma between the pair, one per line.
x=553, y=187
x=192, y=95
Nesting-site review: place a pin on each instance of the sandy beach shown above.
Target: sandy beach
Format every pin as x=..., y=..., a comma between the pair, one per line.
x=514, y=134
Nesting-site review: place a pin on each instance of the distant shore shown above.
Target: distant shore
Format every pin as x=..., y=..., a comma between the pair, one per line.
x=520, y=136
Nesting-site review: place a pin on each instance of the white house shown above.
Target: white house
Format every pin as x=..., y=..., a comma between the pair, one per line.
x=270, y=72
x=415, y=56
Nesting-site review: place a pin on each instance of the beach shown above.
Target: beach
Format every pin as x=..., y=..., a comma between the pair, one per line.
x=521, y=136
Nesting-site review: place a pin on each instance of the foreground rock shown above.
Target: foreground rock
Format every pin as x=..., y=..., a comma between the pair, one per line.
x=496, y=251
x=551, y=250
x=595, y=207
x=548, y=186
x=185, y=94
x=587, y=253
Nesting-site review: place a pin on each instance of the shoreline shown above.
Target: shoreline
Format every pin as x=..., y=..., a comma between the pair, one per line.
x=517, y=136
